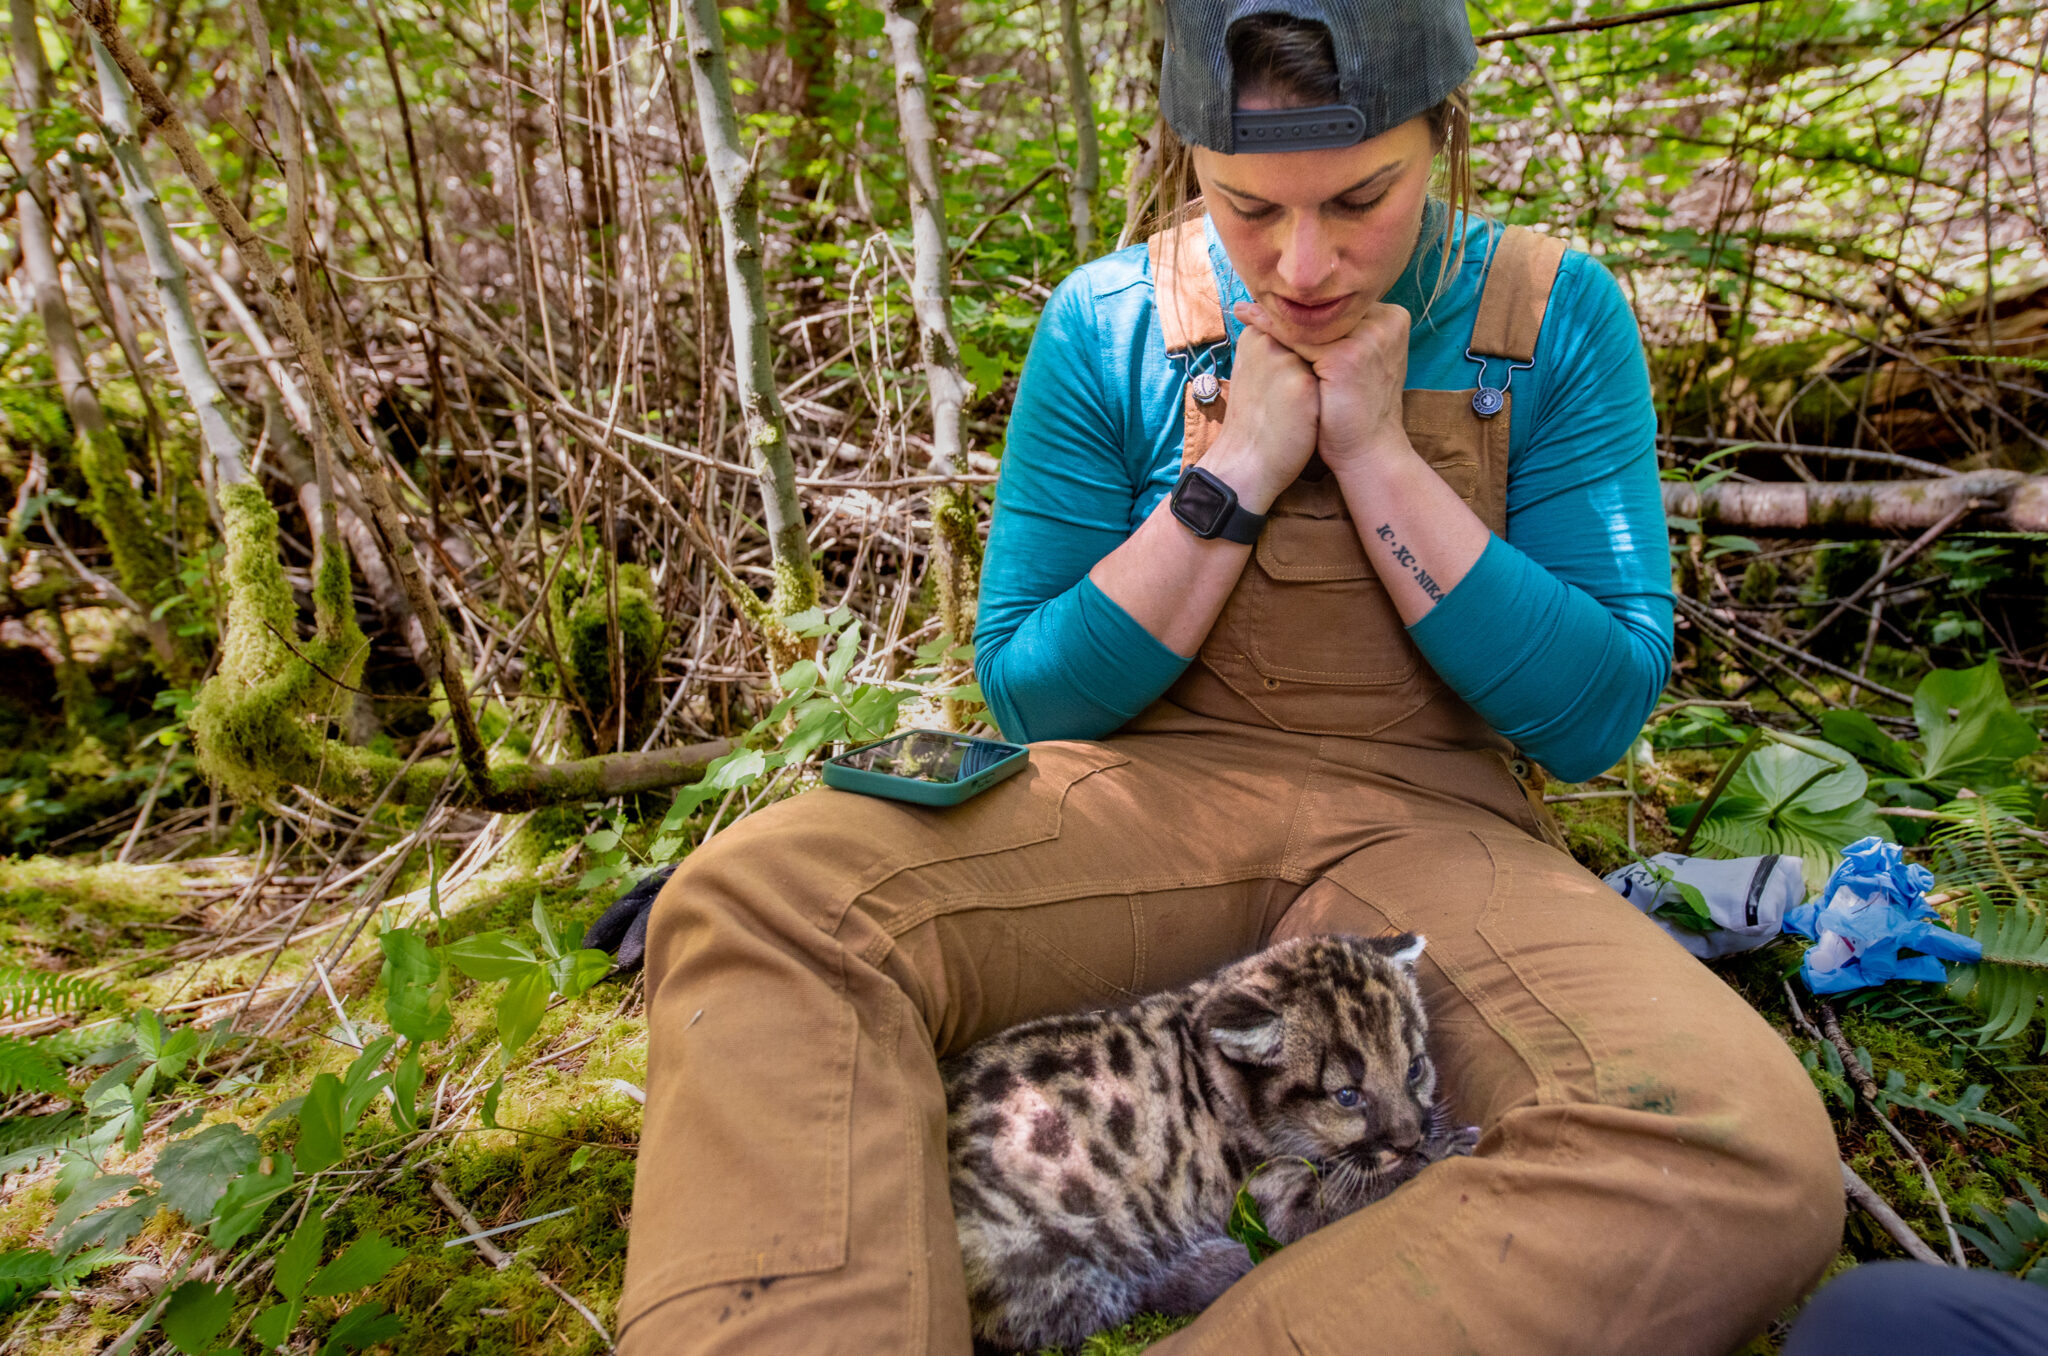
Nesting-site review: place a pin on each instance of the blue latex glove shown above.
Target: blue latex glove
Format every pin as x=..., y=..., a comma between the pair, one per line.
x=1871, y=909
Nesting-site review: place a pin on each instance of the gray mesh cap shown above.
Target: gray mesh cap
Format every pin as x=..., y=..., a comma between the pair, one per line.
x=1395, y=59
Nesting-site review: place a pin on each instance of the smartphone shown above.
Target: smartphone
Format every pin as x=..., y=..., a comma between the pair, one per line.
x=925, y=767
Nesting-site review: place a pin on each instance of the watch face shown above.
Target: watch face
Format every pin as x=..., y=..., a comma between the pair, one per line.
x=1199, y=503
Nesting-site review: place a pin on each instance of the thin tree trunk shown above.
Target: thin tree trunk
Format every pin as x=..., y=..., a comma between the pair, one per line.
x=2005, y=500
x=734, y=184
x=1087, y=154
x=956, y=543
x=224, y=446
x=116, y=505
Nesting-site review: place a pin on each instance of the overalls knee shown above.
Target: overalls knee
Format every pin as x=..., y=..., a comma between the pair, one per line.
x=1655, y=1171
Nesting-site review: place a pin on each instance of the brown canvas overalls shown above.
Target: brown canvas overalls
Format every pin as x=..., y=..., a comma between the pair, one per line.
x=1656, y=1173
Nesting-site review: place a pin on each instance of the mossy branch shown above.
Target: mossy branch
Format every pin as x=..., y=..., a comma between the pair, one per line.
x=257, y=724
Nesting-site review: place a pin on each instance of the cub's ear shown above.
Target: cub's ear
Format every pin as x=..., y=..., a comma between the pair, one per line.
x=1242, y=1027
x=1404, y=949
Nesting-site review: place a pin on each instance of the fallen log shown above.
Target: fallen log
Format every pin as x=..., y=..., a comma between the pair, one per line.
x=2005, y=501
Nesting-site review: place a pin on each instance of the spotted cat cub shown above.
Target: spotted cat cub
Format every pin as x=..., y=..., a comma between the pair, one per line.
x=1095, y=1157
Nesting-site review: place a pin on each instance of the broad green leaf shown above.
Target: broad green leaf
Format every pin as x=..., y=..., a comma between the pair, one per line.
x=1808, y=772
x=320, y=1125
x=489, y=1113
x=300, y=1256
x=242, y=1207
x=1743, y=826
x=604, y=840
x=1977, y=746
x=415, y=989
x=1862, y=736
x=520, y=1008
x=196, y=1314
x=491, y=956
x=362, y=1263
x=195, y=1172
x=578, y=1159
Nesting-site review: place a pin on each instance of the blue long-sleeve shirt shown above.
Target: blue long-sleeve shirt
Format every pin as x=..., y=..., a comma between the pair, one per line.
x=1559, y=635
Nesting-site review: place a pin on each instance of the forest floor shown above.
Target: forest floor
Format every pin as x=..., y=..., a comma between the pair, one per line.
x=561, y=1164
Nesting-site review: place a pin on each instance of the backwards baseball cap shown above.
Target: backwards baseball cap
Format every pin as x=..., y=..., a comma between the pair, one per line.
x=1395, y=59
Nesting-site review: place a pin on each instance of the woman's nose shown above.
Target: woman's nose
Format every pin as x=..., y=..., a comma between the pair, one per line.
x=1305, y=255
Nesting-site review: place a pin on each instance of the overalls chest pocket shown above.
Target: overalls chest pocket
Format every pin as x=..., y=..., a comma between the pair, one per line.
x=1312, y=608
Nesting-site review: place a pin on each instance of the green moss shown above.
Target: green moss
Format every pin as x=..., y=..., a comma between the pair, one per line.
x=581, y=607
x=80, y=913
x=118, y=509
x=252, y=721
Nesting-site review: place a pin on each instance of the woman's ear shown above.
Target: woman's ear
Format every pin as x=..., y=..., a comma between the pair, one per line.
x=1242, y=1027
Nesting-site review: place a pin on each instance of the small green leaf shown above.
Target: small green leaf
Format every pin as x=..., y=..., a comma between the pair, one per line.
x=320, y=1125
x=195, y=1172
x=243, y=1205
x=361, y=1328
x=274, y=1324
x=491, y=956
x=1248, y=1227
x=362, y=1263
x=405, y=1088
x=300, y=1256
x=415, y=989
x=520, y=1008
x=578, y=1159
x=196, y=1314
x=604, y=840
x=574, y=972
x=489, y=1113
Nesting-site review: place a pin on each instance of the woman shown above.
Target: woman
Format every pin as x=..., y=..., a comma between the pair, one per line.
x=1276, y=693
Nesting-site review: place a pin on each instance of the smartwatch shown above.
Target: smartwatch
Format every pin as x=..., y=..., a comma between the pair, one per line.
x=1210, y=509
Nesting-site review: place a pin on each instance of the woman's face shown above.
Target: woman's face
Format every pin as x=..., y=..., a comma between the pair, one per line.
x=1318, y=236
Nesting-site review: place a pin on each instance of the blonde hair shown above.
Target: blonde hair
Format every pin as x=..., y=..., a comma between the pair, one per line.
x=1279, y=57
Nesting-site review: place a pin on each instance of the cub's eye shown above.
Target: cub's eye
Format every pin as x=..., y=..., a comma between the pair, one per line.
x=1346, y=1097
x=1415, y=1069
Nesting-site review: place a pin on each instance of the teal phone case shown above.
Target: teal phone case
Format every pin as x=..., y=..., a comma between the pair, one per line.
x=1008, y=759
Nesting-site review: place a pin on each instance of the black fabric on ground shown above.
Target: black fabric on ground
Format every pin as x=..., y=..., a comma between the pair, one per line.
x=1914, y=1309
x=622, y=929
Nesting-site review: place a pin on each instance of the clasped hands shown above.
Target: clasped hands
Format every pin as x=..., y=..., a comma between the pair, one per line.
x=1290, y=401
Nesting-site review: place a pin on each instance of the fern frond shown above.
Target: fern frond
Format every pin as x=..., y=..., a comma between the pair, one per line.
x=25, y=1067
x=2011, y=983
x=1986, y=843
x=2017, y=1241
x=43, y=993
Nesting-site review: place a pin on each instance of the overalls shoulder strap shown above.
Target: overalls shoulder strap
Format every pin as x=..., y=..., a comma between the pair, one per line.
x=1191, y=322
x=1519, y=277
x=1184, y=286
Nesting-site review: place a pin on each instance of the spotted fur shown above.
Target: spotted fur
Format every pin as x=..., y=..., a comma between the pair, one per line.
x=1095, y=1158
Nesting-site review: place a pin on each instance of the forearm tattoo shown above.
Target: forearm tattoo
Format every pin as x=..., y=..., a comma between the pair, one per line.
x=1405, y=558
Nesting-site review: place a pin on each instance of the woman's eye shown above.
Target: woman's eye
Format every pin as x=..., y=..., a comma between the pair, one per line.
x=1263, y=212
x=1415, y=1069
x=1360, y=208
x=1346, y=1097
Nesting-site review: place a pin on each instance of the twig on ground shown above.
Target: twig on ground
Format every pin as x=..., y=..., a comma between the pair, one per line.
x=1888, y=1219
x=500, y=1259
